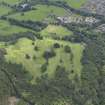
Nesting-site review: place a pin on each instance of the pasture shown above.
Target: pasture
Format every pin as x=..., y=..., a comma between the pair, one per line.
x=40, y=13
x=7, y=29
x=55, y=30
x=11, y=2
x=4, y=10
x=33, y=59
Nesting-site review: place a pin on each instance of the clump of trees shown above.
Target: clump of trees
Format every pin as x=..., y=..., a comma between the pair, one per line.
x=49, y=53
x=36, y=48
x=44, y=67
x=56, y=45
x=67, y=49
x=27, y=56
x=36, y=26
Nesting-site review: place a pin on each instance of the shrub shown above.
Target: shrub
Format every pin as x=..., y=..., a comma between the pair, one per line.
x=56, y=45
x=67, y=49
x=27, y=56
x=49, y=54
x=36, y=48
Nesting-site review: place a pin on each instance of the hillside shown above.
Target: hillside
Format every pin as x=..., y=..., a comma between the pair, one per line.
x=52, y=52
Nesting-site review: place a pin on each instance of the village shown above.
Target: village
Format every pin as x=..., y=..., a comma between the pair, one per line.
x=78, y=19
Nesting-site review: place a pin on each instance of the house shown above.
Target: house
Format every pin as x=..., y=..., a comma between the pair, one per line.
x=90, y=20
x=24, y=7
x=64, y=19
x=101, y=28
x=74, y=19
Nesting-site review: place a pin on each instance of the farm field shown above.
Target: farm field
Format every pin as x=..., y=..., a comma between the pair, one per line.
x=44, y=13
x=11, y=2
x=4, y=10
x=7, y=29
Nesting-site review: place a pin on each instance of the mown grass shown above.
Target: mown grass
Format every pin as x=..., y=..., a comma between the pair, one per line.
x=55, y=30
x=42, y=12
x=8, y=29
x=16, y=54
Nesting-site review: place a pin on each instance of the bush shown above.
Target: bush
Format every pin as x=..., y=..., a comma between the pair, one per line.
x=56, y=45
x=33, y=43
x=44, y=68
x=49, y=54
x=67, y=49
x=34, y=57
x=27, y=56
x=36, y=48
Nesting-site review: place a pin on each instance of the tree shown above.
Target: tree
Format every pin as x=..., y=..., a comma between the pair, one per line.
x=27, y=56
x=67, y=49
x=56, y=45
x=49, y=53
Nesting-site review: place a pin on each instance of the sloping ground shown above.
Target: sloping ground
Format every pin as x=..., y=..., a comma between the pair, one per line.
x=43, y=57
x=55, y=30
x=95, y=6
x=31, y=57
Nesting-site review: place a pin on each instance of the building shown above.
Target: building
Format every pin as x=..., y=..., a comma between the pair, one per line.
x=13, y=100
x=24, y=7
x=75, y=19
x=64, y=19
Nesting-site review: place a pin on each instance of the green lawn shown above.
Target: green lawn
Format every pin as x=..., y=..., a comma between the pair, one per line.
x=42, y=12
x=16, y=54
x=7, y=29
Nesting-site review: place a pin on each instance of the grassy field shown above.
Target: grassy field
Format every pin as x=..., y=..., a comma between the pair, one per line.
x=17, y=54
x=54, y=30
x=41, y=12
x=11, y=2
x=74, y=3
x=7, y=29
x=4, y=10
